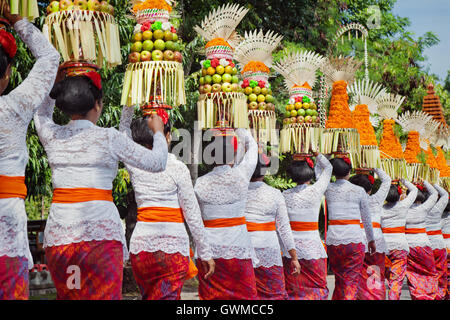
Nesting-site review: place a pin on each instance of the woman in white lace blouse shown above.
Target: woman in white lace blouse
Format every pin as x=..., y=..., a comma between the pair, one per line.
x=84, y=228
x=434, y=232
x=303, y=205
x=446, y=235
x=371, y=286
x=16, y=111
x=347, y=205
x=222, y=196
x=393, y=221
x=266, y=217
x=420, y=268
x=159, y=245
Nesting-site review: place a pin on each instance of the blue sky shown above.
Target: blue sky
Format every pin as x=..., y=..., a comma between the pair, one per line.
x=430, y=15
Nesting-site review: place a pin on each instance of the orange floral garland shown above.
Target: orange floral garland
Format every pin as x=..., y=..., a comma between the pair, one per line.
x=442, y=163
x=255, y=66
x=412, y=147
x=340, y=115
x=389, y=144
x=217, y=42
x=361, y=119
x=431, y=160
x=152, y=4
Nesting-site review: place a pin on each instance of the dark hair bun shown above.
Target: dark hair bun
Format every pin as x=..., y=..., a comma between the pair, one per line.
x=75, y=95
x=5, y=60
x=393, y=195
x=362, y=180
x=300, y=172
x=340, y=168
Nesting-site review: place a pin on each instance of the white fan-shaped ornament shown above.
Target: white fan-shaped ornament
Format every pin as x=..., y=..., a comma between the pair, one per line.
x=366, y=92
x=430, y=133
x=414, y=121
x=388, y=104
x=299, y=67
x=257, y=46
x=221, y=23
x=340, y=68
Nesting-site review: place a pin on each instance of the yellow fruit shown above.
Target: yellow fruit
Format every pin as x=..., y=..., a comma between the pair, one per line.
x=298, y=105
x=211, y=71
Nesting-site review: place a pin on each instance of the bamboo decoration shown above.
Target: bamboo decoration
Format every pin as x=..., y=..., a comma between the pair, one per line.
x=301, y=131
x=83, y=35
x=254, y=57
x=221, y=106
x=25, y=8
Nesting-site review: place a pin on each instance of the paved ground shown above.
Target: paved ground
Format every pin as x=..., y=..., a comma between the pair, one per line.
x=190, y=294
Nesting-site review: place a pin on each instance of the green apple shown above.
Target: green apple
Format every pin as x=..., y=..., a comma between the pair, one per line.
x=202, y=80
x=147, y=45
x=157, y=55
x=264, y=91
x=301, y=112
x=208, y=79
x=269, y=98
x=253, y=105
x=168, y=36
x=94, y=5
x=217, y=78
x=54, y=6
x=226, y=87
x=147, y=35
x=234, y=79
x=136, y=47
x=228, y=70
x=159, y=45
x=294, y=113
x=287, y=114
x=226, y=77
x=174, y=37
x=253, y=97
x=257, y=90
x=146, y=55
x=170, y=45
x=235, y=70
x=309, y=112
x=158, y=34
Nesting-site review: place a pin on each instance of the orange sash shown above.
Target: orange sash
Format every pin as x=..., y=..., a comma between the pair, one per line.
x=224, y=223
x=304, y=226
x=415, y=231
x=160, y=214
x=446, y=235
x=374, y=225
x=192, y=271
x=434, y=233
x=269, y=226
x=394, y=230
x=343, y=222
x=12, y=187
x=76, y=195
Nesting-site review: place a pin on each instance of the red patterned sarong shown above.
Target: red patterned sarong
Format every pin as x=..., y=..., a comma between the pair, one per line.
x=89, y=270
x=421, y=274
x=13, y=278
x=448, y=275
x=397, y=273
x=371, y=286
x=310, y=284
x=440, y=261
x=346, y=262
x=233, y=279
x=270, y=283
x=160, y=276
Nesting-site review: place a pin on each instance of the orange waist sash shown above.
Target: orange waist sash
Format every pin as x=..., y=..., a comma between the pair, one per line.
x=374, y=225
x=12, y=187
x=394, y=230
x=224, y=223
x=415, y=230
x=268, y=226
x=76, y=195
x=446, y=235
x=304, y=226
x=434, y=233
x=343, y=222
x=160, y=214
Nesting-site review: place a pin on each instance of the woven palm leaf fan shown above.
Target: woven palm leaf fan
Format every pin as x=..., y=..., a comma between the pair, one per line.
x=414, y=123
x=254, y=57
x=85, y=36
x=221, y=104
x=392, y=159
x=340, y=135
x=25, y=8
x=155, y=72
x=441, y=142
x=301, y=131
x=364, y=112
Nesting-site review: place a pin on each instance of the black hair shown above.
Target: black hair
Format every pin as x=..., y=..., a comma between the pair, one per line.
x=76, y=95
x=421, y=196
x=362, y=180
x=393, y=195
x=224, y=146
x=300, y=172
x=446, y=212
x=5, y=61
x=141, y=133
x=261, y=168
x=340, y=168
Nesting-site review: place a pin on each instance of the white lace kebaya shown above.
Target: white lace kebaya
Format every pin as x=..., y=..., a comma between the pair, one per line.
x=415, y=219
x=16, y=112
x=393, y=215
x=303, y=205
x=171, y=188
x=83, y=155
x=446, y=229
x=376, y=202
x=347, y=201
x=222, y=194
x=434, y=221
x=265, y=205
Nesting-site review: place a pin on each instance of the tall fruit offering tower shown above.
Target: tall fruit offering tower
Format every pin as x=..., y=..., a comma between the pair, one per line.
x=154, y=77
x=221, y=105
x=254, y=55
x=301, y=131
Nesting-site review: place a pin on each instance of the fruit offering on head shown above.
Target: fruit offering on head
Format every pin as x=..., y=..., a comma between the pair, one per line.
x=259, y=92
x=220, y=72
x=159, y=39
x=304, y=108
x=91, y=5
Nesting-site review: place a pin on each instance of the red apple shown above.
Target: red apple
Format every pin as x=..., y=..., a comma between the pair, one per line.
x=262, y=106
x=300, y=119
x=216, y=87
x=81, y=4
x=177, y=56
x=226, y=87
x=293, y=120
x=134, y=57
x=65, y=4
x=104, y=6
x=146, y=56
x=253, y=105
x=207, y=88
x=201, y=89
x=168, y=55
